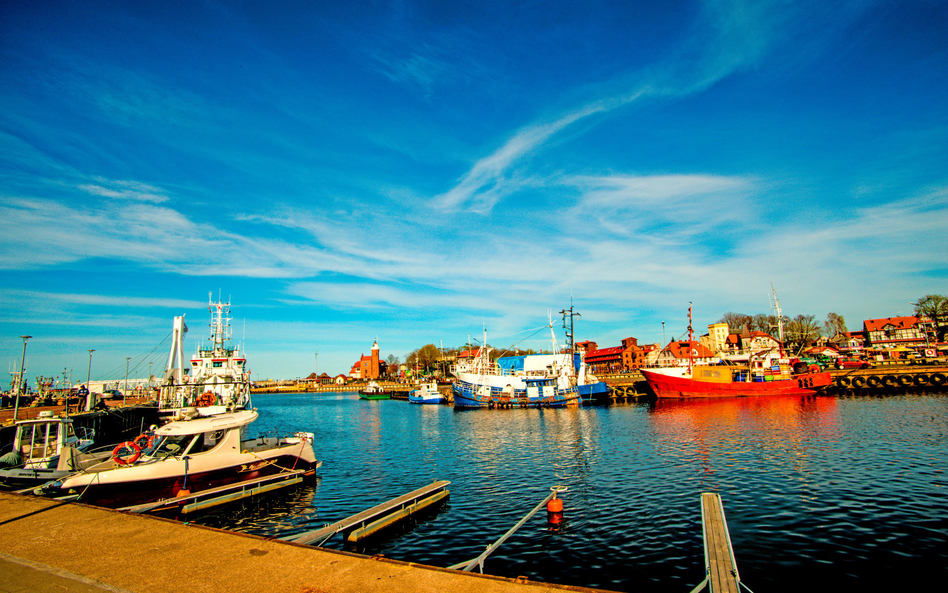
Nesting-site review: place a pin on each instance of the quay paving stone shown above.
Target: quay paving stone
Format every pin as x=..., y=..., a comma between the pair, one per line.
x=53, y=546
x=22, y=576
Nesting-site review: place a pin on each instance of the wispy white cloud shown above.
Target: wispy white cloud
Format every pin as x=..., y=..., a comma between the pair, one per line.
x=733, y=35
x=8, y=295
x=485, y=184
x=125, y=190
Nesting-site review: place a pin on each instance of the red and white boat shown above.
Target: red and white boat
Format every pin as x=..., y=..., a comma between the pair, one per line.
x=731, y=381
x=765, y=373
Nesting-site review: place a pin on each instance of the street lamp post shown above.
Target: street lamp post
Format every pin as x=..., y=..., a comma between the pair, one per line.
x=19, y=381
x=88, y=386
x=663, y=334
x=125, y=392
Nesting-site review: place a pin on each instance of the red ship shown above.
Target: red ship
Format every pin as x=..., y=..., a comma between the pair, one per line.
x=730, y=381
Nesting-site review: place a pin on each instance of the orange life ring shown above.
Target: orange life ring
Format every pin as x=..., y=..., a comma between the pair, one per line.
x=118, y=458
x=185, y=379
x=207, y=399
x=144, y=441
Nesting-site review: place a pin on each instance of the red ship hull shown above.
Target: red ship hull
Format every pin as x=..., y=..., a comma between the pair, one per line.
x=670, y=386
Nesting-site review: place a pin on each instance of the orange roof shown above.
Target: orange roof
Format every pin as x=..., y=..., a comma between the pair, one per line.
x=680, y=349
x=896, y=322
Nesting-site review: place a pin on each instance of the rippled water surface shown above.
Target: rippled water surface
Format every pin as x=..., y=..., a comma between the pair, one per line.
x=820, y=493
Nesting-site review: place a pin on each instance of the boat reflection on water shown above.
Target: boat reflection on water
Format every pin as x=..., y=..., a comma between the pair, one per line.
x=743, y=430
x=784, y=407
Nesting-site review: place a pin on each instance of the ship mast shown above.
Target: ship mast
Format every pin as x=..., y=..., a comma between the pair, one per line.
x=776, y=308
x=691, y=349
x=570, y=343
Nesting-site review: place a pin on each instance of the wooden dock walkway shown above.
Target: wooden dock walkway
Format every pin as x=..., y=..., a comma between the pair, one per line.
x=722, y=575
x=368, y=522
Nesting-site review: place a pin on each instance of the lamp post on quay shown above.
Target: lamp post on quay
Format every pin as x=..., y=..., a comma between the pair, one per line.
x=89, y=387
x=19, y=381
x=125, y=391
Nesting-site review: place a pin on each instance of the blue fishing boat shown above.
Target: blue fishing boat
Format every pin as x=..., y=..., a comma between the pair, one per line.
x=425, y=393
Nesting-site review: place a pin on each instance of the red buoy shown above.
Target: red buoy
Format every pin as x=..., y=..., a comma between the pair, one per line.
x=555, y=505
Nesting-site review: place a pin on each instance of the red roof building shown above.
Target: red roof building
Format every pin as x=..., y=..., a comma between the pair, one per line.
x=605, y=360
x=893, y=332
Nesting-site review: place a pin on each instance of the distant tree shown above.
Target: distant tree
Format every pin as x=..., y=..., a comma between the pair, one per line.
x=934, y=307
x=765, y=323
x=425, y=358
x=801, y=331
x=392, y=360
x=834, y=324
x=736, y=321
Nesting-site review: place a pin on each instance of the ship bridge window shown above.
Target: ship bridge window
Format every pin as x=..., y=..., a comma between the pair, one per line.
x=218, y=365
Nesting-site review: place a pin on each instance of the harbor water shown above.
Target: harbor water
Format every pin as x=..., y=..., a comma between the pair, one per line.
x=820, y=493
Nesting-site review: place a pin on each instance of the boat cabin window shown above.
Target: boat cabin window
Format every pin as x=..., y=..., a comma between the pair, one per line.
x=218, y=365
x=173, y=445
x=38, y=440
x=206, y=441
x=70, y=431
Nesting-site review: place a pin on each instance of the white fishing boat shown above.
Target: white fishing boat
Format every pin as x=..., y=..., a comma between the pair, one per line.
x=551, y=380
x=215, y=380
x=189, y=455
x=38, y=447
x=425, y=393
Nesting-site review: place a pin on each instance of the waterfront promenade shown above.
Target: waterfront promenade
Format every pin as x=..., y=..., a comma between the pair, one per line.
x=73, y=548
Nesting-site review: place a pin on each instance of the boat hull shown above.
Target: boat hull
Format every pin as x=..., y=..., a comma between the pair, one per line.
x=149, y=489
x=375, y=396
x=467, y=395
x=669, y=386
x=593, y=391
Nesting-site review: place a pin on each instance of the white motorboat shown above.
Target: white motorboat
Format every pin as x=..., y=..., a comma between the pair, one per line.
x=190, y=454
x=38, y=446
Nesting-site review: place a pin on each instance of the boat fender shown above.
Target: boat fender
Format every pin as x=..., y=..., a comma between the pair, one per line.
x=921, y=379
x=118, y=453
x=843, y=382
x=889, y=381
x=873, y=382
x=937, y=379
x=905, y=380
x=859, y=382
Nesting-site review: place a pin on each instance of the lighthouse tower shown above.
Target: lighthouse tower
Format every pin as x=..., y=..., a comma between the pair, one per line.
x=374, y=365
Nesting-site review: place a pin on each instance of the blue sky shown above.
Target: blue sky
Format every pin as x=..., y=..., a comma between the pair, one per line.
x=414, y=171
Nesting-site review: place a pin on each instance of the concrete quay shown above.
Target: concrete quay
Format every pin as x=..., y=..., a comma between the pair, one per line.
x=72, y=548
